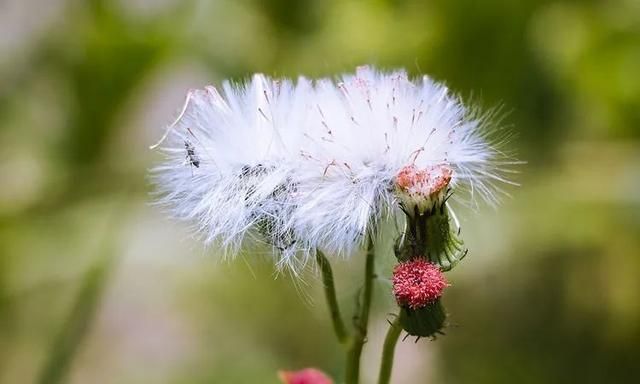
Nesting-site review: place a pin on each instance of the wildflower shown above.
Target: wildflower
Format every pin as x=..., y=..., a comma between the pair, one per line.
x=417, y=283
x=317, y=165
x=369, y=136
x=305, y=376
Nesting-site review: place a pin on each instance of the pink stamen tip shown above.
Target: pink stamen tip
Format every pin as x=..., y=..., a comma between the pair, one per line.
x=417, y=283
x=428, y=181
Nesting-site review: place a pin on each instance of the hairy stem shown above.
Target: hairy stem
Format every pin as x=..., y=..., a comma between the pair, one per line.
x=330, y=293
x=388, y=351
x=361, y=320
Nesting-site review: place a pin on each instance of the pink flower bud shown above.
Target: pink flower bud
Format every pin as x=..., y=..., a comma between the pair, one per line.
x=304, y=376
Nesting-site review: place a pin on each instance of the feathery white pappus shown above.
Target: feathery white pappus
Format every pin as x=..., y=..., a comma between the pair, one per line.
x=311, y=164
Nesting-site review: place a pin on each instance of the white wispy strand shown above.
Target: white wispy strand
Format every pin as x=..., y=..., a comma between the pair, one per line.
x=311, y=165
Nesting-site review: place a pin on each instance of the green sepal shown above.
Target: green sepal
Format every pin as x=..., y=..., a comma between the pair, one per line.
x=431, y=236
x=427, y=321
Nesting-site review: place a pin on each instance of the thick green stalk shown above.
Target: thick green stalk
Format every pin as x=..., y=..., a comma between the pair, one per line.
x=361, y=320
x=332, y=302
x=388, y=351
x=72, y=334
x=77, y=325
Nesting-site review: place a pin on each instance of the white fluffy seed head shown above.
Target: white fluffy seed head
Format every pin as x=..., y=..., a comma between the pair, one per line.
x=311, y=165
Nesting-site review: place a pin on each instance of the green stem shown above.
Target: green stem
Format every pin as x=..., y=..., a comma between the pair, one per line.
x=361, y=320
x=330, y=293
x=388, y=350
x=76, y=327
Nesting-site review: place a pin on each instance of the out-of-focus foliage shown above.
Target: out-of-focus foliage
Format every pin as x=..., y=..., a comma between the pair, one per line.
x=549, y=292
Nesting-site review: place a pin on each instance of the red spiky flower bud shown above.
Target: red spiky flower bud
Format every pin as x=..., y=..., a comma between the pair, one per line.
x=417, y=283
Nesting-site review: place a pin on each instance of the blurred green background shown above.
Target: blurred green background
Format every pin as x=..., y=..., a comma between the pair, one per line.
x=96, y=286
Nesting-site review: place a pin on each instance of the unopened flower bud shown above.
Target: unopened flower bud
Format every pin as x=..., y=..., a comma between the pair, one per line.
x=418, y=286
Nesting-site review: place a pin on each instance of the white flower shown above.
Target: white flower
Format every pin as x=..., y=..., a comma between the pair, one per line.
x=228, y=164
x=308, y=166
x=364, y=130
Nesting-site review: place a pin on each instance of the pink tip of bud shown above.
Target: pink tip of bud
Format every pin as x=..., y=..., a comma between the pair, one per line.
x=428, y=181
x=417, y=283
x=305, y=376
